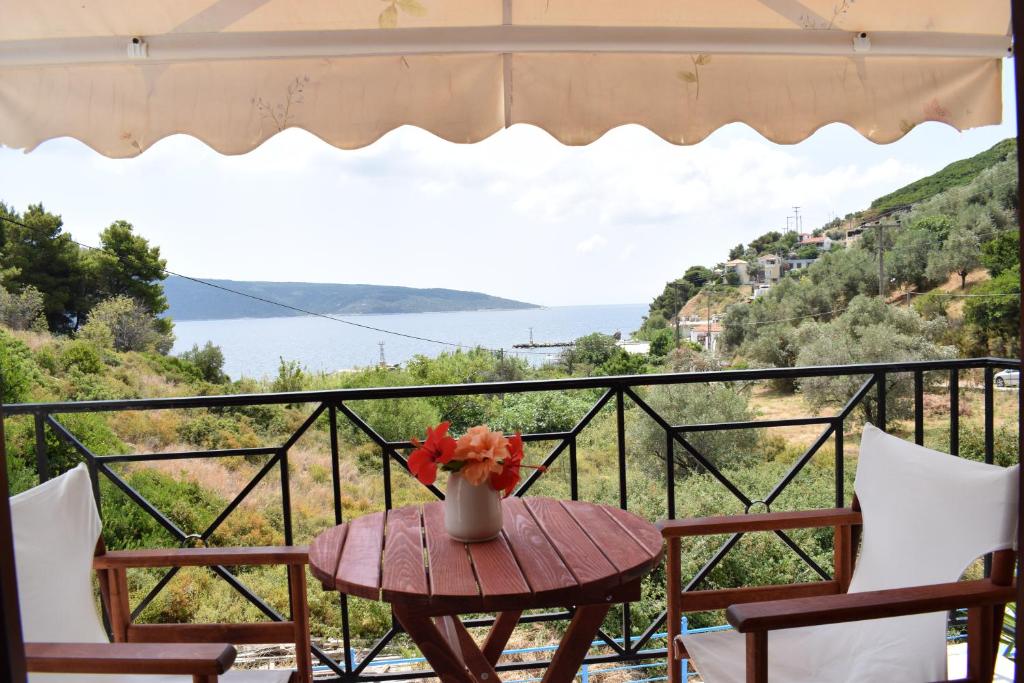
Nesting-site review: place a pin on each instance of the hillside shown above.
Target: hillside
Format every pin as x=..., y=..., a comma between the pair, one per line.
x=957, y=173
x=193, y=301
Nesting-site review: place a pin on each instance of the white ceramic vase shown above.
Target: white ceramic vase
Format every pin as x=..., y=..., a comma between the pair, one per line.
x=471, y=513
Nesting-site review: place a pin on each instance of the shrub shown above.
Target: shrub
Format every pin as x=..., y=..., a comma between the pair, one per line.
x=290, y=377
x=21, y=311
x=125, y=324
x=547, y=411
x=82, y=356
x=18, y=371
x=208, y=360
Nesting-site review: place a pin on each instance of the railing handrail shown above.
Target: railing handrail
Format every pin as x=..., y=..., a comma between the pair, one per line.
x=431, y=390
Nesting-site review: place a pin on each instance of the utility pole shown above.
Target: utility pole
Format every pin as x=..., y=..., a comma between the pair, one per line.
x=531, y=336
x=796, y=218
x=707, y=336
x=383, y=363
x=881, y=260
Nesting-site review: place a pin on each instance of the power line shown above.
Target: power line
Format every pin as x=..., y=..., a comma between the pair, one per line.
x=282, y=304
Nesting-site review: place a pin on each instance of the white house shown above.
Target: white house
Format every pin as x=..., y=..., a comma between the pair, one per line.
x=738, y=266
x=771, y=266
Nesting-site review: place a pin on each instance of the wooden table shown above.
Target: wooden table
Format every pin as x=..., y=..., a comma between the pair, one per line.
x=550, y=554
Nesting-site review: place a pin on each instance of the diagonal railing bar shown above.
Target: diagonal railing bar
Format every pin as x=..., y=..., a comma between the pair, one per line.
x=572, y=434
x=237, y=500
x=306, y=424
x=154, y=591
x=808, y=560
x=857, y=397
x=140, y=500
x=713, y=562
x=363, y=426
x=609, y=641
x=799, y=464
x=90, y=457
x=381, y=643
x=699, y=457
x=714, y=471
x=650, y=631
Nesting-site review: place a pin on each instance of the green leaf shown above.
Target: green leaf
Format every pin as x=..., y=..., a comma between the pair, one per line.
x=687, y=76
x=412, y=7
x=389, y=17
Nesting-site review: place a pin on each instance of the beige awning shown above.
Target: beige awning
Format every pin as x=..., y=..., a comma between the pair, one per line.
x=121, y=75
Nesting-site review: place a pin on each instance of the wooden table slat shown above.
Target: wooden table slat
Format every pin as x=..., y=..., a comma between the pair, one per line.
x=358, y=570
x=450, y=570
x=403, y=574
x=324, y=553
x=538, y=560
x=497, y=570
x=640, y=530
x=629, y=557
x=579, y=553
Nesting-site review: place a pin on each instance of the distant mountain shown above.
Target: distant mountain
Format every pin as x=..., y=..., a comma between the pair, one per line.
x=193, y=301
x=957, y=173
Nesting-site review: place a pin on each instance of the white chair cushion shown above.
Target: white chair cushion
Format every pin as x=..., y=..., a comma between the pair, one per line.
x=927, y=516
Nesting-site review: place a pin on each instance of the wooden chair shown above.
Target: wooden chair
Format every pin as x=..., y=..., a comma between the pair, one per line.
x=57, y=547
x=926, y=516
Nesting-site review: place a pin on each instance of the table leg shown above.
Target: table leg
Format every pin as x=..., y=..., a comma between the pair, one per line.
x=449, y=649
x=498, y=637
x=576, y=643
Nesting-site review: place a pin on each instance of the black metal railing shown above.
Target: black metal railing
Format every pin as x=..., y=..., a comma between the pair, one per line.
x=615, y=394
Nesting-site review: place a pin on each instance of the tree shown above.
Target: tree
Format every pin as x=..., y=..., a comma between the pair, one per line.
x=21, y=311
x=209, y=360
x=766, y=242
x=1001, y=253
x=869, y=331
x=43, y=256
x=662, y=341
x=960, y=254
x=126, y=265
x=126, y=325
x=995, y=315
x=907, y=262
x=807, y=251
x=736, y=252
x=595, y=349
x=698, y=276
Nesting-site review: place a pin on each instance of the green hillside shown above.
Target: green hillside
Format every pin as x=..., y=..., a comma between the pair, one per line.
x=957, y=173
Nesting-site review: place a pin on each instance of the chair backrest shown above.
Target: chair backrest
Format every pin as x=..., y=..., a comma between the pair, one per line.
x=56, y=527
x=927, y=514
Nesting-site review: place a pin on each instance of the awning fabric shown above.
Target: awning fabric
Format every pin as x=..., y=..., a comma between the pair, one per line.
x=235, y=72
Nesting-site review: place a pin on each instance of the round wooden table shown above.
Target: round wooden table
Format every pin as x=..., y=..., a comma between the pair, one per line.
x=550, y=553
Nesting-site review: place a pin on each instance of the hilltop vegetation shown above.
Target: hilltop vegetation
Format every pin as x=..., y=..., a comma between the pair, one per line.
x=956, y=174
x=190, y=300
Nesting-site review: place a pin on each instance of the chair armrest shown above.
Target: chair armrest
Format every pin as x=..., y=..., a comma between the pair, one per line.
x=771, y=521
x=205, y=659
x=201, y=557
x=833, y=609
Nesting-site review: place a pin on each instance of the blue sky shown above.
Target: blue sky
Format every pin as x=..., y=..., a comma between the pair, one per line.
x=518, y=215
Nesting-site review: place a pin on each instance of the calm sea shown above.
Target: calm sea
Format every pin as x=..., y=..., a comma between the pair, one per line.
x=252, y=346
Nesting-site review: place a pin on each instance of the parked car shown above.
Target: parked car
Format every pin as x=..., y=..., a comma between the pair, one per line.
x=1008, y=378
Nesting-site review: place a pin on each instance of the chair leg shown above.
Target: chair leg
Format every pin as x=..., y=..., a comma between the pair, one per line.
x=757, y=657
x=981, y=644
x=300, y=617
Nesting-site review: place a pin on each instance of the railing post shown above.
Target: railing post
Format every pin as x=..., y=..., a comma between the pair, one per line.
x=989, y=415
x=386, y=474
x=620, y=429
x=954, y=411
x=919, y=408
x=42, y=459
x=840, y=465
x=286, y=499
x=670, y=473
x=574, y=484
x=332, y=417
x=880, y=381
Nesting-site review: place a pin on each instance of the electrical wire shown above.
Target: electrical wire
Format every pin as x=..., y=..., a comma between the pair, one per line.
x=296, y=309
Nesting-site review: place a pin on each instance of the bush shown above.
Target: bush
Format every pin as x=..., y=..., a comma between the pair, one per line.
x=537, y=412
x=698, y=404
x=21, y=311
x=82, y=356
x=290, y=377
x=208, y=360
x=18, y=371
x=125, y=325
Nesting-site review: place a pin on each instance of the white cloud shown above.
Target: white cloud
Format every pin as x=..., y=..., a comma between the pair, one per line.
x=591, y=243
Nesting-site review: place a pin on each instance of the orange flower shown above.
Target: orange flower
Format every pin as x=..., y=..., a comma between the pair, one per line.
x=439, y=448
x=481, y=452
x=506, y=480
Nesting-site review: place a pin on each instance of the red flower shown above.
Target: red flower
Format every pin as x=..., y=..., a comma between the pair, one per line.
x=439, y=448
x=506, y=480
